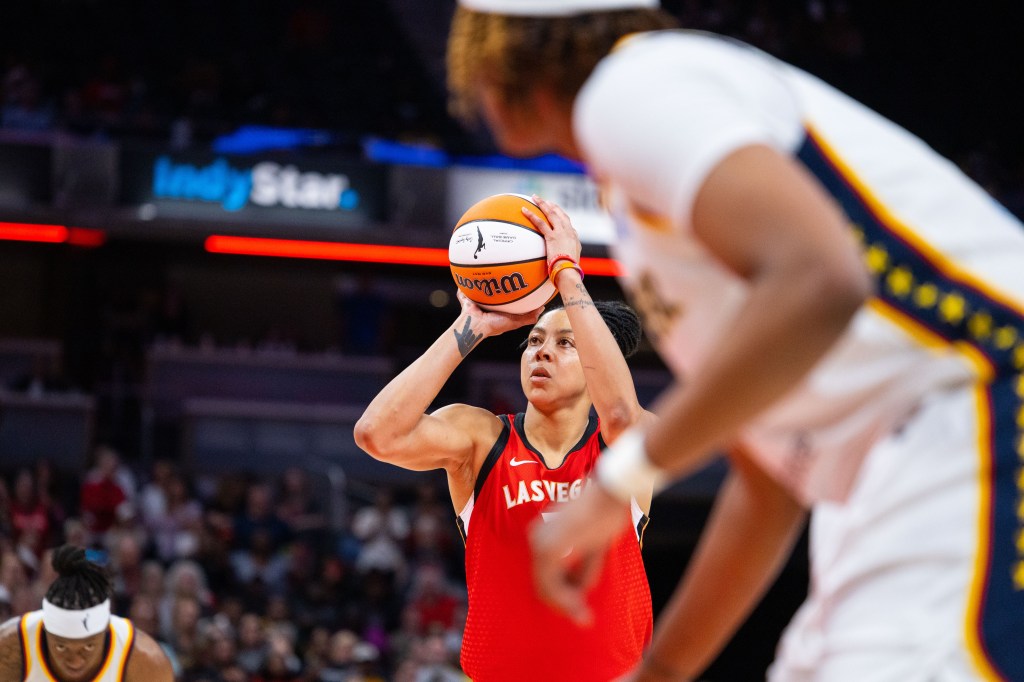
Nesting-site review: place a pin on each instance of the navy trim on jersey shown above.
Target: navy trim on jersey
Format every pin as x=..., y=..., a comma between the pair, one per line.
x=918, y=285
x=641, y=526
x=491, y=459
x=24, y=649
x=520, y=427
x=913, y=283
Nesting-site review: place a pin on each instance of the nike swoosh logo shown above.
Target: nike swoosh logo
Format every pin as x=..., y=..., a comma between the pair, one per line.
x=516, y=462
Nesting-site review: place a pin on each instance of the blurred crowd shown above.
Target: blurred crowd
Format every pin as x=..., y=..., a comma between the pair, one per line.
x=248, y=580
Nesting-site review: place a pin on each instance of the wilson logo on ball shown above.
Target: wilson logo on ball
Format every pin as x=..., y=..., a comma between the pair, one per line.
x=498, y=258
x=509, y=284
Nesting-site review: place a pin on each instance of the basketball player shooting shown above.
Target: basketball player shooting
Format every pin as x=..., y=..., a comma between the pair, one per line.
x=507, y=471
x=847, y=309
x=74, y=637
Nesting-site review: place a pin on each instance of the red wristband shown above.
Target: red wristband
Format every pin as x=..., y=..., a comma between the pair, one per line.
x=561, y=256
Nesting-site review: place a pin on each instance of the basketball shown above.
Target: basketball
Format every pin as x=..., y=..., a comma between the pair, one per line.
x=498, y=258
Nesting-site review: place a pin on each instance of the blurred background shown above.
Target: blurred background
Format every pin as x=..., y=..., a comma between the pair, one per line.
x=223, y=228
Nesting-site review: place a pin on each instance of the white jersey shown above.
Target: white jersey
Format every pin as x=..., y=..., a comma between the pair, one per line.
x=907, y=438
x=122, y=636
x=693, y=98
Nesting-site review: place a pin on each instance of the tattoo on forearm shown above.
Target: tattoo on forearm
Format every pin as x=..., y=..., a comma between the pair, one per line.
x=584, y=300
x=579, y=303
x=466, y=339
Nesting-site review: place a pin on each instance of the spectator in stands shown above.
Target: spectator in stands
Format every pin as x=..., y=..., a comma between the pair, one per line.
x=281, y=663
x=259, y=515
x=432, y=599
x=176, y=532
x=153, y=494
x=297, y=506
x=31, y=519
x=382, y=518
x=340, y=662
x=144, y=614
x=185, y=580
x=252, y=643
x=106, y=493
x=126, y=565
x=436, y=662
x=261, y=567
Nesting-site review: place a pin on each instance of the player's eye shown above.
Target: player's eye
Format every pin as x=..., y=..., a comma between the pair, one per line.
x=534, y=340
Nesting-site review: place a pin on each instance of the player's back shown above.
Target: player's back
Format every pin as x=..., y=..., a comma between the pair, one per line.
x=945, y=256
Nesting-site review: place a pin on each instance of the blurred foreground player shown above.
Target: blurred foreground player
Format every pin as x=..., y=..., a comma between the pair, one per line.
x=846, y=307
x=74, y=637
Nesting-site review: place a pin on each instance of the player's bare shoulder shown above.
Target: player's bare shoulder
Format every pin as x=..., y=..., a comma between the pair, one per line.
x=12, y=666
x=148, y=663
x=475, y=421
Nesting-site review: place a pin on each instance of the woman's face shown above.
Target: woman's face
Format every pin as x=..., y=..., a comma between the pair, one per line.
x=550, y=369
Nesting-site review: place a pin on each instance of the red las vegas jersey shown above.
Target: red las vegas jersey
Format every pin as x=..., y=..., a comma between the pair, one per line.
x=510, y=633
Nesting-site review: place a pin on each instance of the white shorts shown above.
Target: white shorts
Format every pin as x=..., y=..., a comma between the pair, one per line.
x=912, y=577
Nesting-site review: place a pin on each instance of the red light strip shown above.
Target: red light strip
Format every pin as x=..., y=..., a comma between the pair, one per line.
x=30, y=232
x=367, y=253
x=52, y=234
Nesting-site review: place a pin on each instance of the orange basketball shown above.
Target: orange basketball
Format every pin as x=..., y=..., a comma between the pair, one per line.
x=498, y=258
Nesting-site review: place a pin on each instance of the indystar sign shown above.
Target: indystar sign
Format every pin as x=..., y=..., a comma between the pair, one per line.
x=265, y=184
x=273, y=189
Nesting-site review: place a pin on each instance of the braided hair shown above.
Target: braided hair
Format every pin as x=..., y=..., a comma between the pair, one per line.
x=622, y=321
x=81, y=584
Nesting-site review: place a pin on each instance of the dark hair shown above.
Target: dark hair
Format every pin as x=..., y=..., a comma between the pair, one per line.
x=622, y=321
x=81, y=583
x=514, y=53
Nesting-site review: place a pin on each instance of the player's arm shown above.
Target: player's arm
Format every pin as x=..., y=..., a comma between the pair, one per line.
x=147, y=662
x=764, y=216
x=609, y=380
x=745, y=543
x=12, y=666
x=395, y=427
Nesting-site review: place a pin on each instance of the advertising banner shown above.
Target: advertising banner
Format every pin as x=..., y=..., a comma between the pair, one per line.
x=575, y=193
x=265, y=188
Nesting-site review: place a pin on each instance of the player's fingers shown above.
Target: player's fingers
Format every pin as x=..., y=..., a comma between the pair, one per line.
x=553, y=211
x=559, y=588
x=538, y=222
x=588, y=570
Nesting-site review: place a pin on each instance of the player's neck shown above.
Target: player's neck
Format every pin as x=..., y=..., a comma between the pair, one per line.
x=553, y=433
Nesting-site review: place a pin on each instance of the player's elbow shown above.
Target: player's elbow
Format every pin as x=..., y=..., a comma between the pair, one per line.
x=371, y=437
x=619, y=415
x=840, y=290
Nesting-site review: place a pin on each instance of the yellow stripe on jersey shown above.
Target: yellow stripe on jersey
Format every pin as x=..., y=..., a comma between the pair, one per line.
x=983, y=419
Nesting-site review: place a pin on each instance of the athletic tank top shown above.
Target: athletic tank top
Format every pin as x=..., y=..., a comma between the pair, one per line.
x=122, y=636
x=510, y=633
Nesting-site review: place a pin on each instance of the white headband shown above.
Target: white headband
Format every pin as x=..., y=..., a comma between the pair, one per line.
x=76, y=624
x=552, y=8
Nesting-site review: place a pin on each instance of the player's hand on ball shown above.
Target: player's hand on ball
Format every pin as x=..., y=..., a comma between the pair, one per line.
x=568, y=549
x=491, y=323
x=560, y=237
